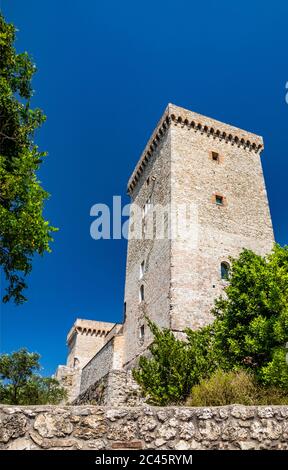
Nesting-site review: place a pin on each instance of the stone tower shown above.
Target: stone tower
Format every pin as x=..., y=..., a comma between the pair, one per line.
x=194, y=170
x=191, y=160
x=84, y=340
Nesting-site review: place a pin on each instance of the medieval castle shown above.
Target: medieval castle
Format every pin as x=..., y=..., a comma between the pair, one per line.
x=189, y=159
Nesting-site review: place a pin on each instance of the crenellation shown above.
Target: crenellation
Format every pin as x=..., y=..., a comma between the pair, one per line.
x=193, y=121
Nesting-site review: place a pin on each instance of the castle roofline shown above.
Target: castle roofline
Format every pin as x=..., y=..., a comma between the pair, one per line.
x=203, y=124
x=90, y=327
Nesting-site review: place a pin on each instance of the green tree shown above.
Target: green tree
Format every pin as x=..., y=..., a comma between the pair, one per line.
x=21, y=385
x=23, y=230
x=250, y=331
x=251, y=326
x=173, y=366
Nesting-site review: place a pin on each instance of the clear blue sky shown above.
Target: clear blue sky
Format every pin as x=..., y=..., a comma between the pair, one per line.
x=106, y=71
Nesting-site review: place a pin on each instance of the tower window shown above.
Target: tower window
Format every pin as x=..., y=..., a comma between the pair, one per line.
x=147, y=207
x=141, y=293
x=148, y=181
x=225, y=270
x=76, y=362
x=219, y=200
x=142, y=269
x=142, y=332
x=215, y=157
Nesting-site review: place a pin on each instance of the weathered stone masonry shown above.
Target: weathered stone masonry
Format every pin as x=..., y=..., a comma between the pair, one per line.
x=95, y=428
x=116, y=388
x=182, y=278
x=213, y=168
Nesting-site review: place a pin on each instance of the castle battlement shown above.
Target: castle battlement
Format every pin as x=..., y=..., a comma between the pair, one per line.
x=89, y=328
x=198, y=123
x=85, y=339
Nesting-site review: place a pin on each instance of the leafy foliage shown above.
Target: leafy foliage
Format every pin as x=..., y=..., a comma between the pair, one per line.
x=224, y=388
x=250, y=332
x=175, y=365
x=20, y=385
x=276, y=371
x=251, y=326
x=235, y=387
x=23, y=230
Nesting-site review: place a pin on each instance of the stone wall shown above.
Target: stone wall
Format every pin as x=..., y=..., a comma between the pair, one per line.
x=110, y=357
x=97, y=367
x=154, y=183
x=117, y=388
x=220, y=231
x=91, y=427
x=70, y=379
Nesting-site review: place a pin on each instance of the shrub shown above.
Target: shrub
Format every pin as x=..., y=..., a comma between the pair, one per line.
x=224, y=388
x=275, y=373
x=235, y=387
x=249, y=333
x=252, y=319
x=174, y=366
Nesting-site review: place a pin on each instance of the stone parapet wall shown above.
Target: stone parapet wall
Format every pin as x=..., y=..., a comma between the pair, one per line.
x=93, y=427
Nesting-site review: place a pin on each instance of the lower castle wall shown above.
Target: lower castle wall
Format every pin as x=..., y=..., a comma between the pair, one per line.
x=70, y=379
x=98, y=367
x=110, y=357
x=96, y=428
x=117, y=388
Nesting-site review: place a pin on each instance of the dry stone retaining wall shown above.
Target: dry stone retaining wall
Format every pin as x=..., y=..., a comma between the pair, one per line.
x=94, y=427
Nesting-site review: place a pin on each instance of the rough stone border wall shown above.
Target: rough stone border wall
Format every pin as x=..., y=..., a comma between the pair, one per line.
x=94, y=427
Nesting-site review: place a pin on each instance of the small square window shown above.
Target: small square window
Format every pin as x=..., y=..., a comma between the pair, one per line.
x=215, y=157
x=219, y=200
